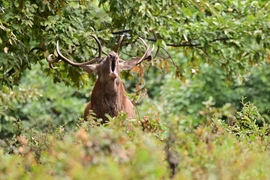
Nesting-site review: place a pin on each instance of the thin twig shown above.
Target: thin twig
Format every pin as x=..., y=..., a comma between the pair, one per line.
x=170, y=57
x=155, y=36
x=121, y=31
x=189, y=44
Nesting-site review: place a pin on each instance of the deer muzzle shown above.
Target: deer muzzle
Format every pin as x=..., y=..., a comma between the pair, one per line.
x=113, y=73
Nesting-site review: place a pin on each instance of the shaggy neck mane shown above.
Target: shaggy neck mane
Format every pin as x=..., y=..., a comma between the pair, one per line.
x=103, y=102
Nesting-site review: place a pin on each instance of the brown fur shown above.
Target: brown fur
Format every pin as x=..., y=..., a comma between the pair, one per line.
x=108, y=95
x=103, y=102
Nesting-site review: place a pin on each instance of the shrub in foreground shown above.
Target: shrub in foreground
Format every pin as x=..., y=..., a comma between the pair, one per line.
x=145, y=149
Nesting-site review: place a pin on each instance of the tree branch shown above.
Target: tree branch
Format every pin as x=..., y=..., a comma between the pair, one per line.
x=189, y=44
x=121, y=31
x=186, y=44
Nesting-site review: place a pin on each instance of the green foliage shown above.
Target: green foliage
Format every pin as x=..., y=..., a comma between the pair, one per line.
x=211, y=123
x=212, y=152
x=39, y=103
x=122, y=150
x=101, y=152
x=224, y=34
x=249, y=122
x=212, y=93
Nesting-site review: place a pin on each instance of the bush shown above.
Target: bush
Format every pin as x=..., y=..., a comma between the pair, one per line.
x=124, y=149
x=39, y=103
x=212, y=93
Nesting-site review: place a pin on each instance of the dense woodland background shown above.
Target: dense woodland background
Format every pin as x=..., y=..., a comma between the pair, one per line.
x=202, y=102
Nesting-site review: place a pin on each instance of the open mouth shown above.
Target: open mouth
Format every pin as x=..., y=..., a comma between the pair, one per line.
x=113, y=65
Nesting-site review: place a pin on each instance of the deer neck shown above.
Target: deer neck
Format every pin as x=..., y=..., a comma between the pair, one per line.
x=106, y=99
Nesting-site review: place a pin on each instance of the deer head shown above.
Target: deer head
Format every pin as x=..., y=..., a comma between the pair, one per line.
x=108, y=95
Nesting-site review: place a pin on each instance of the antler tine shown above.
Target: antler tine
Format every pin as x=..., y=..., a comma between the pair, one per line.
x=51, y=61
x=119, y=43
x=147, y=52
x=99, y=45
x=144, y=43
x=62, y=57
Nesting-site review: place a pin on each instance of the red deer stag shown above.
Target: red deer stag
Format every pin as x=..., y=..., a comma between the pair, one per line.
x=108, y=95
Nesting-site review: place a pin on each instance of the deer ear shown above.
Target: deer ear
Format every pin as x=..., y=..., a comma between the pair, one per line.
x=90, y=68
x=128, y=65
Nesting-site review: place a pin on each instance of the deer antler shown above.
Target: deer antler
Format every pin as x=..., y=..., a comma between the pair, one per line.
x=99, y=45
x=129, y=64
x=147, y=53
x=60, y=56
x=119, y=44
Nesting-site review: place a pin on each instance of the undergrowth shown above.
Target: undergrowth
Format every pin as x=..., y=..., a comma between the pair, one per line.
x=142, y=149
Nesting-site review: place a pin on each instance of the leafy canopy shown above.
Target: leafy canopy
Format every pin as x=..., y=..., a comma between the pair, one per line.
x=232, y=34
